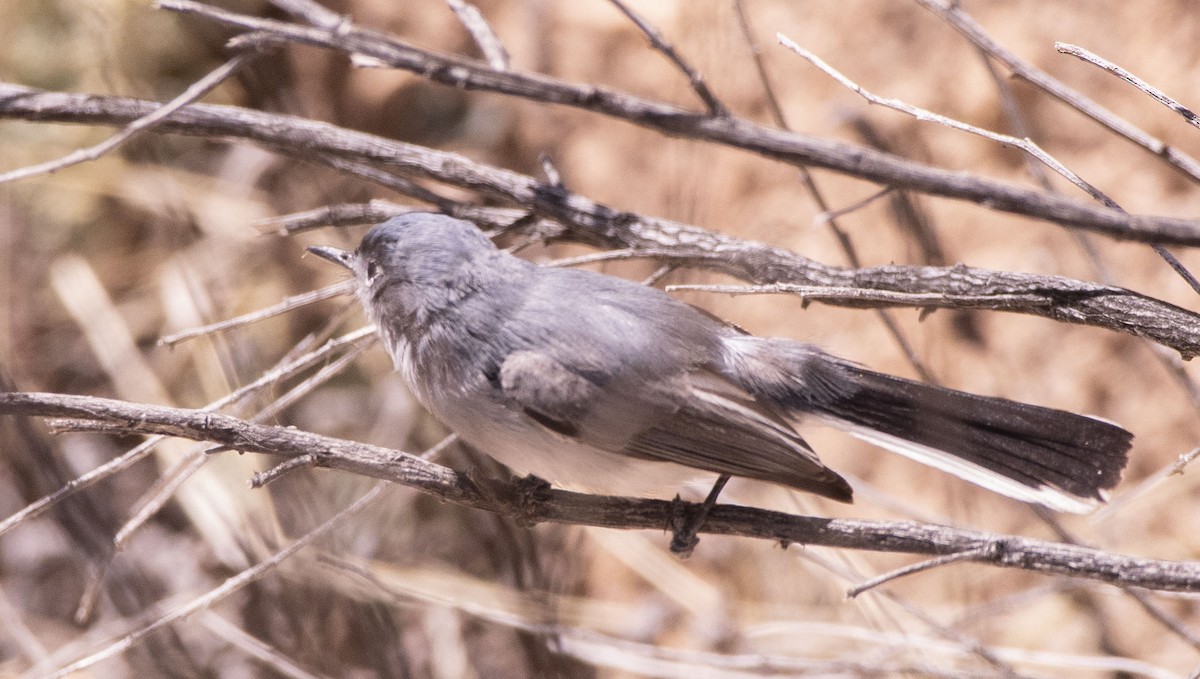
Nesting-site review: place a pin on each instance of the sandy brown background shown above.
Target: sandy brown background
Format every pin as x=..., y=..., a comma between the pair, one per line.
x=166, y=229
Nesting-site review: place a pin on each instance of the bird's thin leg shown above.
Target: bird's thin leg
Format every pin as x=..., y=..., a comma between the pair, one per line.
x=684, y=540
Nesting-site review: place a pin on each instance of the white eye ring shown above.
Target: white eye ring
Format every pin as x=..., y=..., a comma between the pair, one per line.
x=372, y=271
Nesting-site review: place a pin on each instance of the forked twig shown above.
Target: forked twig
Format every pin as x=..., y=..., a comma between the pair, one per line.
x=1026, y=145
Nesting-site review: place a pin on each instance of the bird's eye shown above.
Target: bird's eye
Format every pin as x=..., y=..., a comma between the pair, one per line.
x=372, y=270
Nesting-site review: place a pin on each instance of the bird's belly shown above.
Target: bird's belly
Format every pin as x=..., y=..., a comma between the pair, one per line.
x=526, y=447
x=480, y=418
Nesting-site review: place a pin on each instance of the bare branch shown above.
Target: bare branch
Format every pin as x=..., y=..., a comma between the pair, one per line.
x=592, y=223
x=531, y=503
x=784, y=146
x=951, y=12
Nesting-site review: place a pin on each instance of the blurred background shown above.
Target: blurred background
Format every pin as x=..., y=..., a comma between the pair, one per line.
x=99, y=261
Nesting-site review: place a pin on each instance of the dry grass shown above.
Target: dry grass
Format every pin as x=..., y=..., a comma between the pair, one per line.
x=102, y=259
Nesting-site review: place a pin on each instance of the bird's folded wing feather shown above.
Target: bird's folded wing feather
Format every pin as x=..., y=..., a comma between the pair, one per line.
x=696, y=419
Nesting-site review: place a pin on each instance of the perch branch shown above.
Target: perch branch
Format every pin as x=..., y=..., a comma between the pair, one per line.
x=519, y=501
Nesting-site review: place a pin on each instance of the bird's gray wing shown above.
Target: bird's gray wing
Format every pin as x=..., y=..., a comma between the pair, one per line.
x=694, y=418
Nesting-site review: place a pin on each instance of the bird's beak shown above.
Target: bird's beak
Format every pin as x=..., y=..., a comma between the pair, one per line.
x=340, y=257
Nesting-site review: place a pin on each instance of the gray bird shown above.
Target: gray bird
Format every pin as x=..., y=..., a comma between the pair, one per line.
x=596, y=383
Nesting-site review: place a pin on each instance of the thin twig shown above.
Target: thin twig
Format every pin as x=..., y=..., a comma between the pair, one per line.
x=282, y=469
x=714, y=105
x=952, y=13
x=136, y=454
x=1164, y=618
x=827, y=216
x=595, y=257
x=926, y=565
x=344, y=214
x=1157, y=94
x=255, y=647
x=345, y=287
x=87, y=479
x=159, y=493
x=311, y=12
x=1147, y=485
x=760, y=66
x=907, y=211
x=143, y=124
x=376, y=211
x=391, y=180
x=855, y=297
x=1162, y=251
x=657, y=275
x=485, y=38
x=810, y=184
x=1025, y=145
x=962, y=641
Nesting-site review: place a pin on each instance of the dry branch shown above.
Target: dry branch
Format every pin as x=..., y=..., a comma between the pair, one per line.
x=962, y=22
x=532, y=503
x=788, y=147
x=1055, y=297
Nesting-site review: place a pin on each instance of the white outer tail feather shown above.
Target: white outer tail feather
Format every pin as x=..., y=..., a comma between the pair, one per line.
x=1045, y=495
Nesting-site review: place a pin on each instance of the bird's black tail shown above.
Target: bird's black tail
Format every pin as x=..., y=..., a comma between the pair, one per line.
x=1055, y=458
x=1051, y=457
